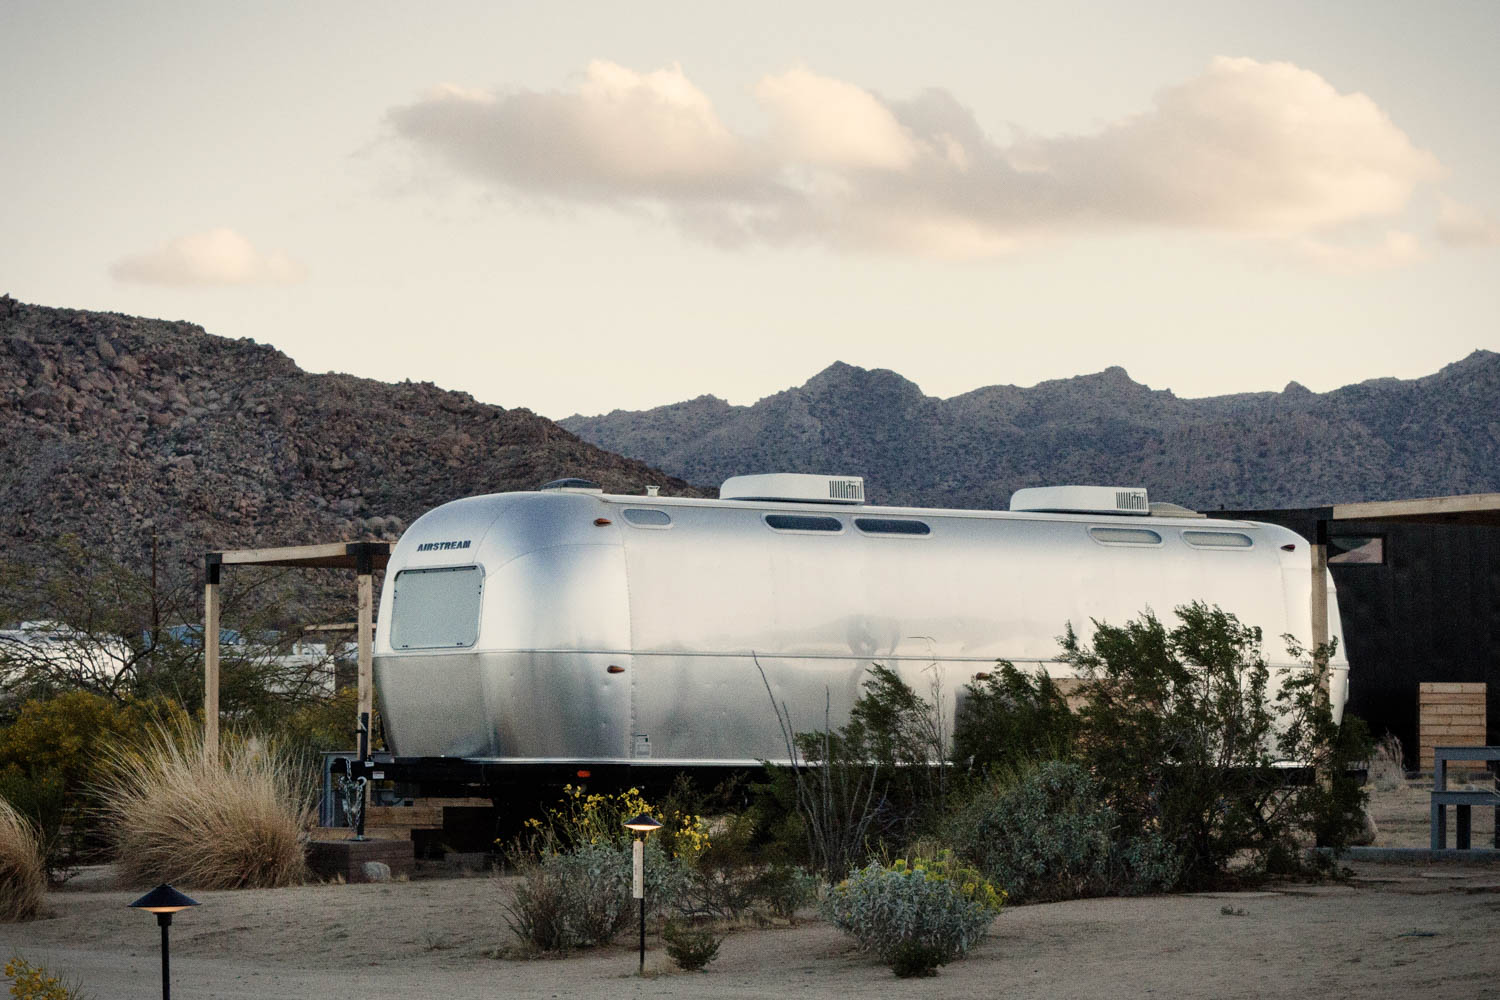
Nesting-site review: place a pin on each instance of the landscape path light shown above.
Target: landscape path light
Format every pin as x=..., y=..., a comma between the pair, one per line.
x=642, y=826
x=164, y=901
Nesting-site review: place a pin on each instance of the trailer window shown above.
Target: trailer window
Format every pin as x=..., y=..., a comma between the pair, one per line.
x=642, y=517
x=1217, y=539
x=803, y=522
x=891, y=526
x=1125, y=536
x=436, y=608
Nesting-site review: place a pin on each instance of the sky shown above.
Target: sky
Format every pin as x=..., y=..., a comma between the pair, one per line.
x=582, y=207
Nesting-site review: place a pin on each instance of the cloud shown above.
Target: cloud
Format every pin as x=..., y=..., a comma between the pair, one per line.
x=1397, y=249
x=1460, y=225
x=822, y=122
x=619, y=135
x=1259, y=149
x=213, y=257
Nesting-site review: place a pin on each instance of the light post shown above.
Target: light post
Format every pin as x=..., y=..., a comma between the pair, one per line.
x=642, y=826
x=164, y=901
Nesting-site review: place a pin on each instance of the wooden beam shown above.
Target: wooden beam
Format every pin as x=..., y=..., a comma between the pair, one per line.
x=327, y=555
x=294, y=552
x=1469, y=508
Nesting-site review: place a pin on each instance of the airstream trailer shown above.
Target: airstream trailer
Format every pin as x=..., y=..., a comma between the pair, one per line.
x=576, y=628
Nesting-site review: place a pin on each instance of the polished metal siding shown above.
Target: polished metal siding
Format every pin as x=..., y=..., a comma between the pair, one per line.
x=688, y=611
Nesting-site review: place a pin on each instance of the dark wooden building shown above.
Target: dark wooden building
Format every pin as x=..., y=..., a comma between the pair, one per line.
x=1419, y=596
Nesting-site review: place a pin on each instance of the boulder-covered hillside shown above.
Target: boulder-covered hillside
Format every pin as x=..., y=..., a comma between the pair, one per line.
x=114, y=427
x=1383, y=439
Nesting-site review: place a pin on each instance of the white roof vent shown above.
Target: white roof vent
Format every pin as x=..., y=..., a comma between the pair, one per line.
x=1082, y=500
x=795, y=486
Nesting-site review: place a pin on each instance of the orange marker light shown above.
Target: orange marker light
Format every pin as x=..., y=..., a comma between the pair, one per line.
x=602, y=521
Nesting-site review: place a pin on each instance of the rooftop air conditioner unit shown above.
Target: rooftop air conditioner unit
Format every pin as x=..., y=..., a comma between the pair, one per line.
x=795, y=486
x=1082, y=500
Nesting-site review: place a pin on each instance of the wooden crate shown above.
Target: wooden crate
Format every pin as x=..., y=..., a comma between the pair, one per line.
x=1449, y=715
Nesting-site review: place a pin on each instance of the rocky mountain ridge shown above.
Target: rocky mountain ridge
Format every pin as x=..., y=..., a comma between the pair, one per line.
x=114, y=428
x=1384, y=438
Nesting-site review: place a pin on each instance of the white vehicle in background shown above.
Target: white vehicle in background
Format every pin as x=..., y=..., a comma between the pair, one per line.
x=62, y=651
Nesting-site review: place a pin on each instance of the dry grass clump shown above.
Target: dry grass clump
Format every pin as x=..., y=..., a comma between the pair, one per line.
x=230, y=820
x=23, y=871
x=1387, y=765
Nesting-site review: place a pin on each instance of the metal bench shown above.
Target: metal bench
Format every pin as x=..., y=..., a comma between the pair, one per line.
x=1462, y=802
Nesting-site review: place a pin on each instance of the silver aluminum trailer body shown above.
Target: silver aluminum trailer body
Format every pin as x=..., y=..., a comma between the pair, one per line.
x=571, y=628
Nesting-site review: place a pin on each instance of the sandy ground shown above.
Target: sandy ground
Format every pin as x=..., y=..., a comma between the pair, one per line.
x=1395, y=930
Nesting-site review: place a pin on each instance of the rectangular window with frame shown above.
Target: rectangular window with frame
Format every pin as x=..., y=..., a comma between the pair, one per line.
x=436, y=608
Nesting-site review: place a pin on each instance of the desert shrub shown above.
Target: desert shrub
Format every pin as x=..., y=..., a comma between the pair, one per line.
x=1388, y=765
x=732, y=878
x=1047, y=834
x=1179, y=729
x=785, y=889
x=581, y=898
x=41, y=799
x=36, y=982
x=1012, y=719
x=915, y=916
x=583, y=818
x=23, y=873
x=230, y=819
x=690, y=946
x=49, y=759
x=872, y=783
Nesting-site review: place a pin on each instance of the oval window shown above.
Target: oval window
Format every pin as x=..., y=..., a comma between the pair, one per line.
x=803, y=522
x=645, y=518
x=1217, y=539
x=1125, y=536
x=891, y=526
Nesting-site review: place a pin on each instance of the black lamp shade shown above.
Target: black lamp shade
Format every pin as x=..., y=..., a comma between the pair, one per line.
x=642, y=824
x=163, y=899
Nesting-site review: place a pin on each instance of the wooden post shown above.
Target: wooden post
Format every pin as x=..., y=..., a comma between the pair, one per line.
x=211, y=657
x=365, y=643
x=365, y=721
x=1320, y=602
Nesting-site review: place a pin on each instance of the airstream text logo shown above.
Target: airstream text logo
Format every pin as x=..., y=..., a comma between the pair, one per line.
x=437, y=546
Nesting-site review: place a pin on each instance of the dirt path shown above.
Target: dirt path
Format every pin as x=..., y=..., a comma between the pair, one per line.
x=1396, y=931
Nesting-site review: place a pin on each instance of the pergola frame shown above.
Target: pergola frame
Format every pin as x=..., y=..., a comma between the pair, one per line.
x=362, y=557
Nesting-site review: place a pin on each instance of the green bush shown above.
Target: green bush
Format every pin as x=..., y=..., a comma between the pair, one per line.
x=1047, y=834
x=49, y=765
x=1010, y=720
x=785, y=889
x=581, y=898
x=915, y=916
x=1180, y=731
x=583, y=818
x=690, y=947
